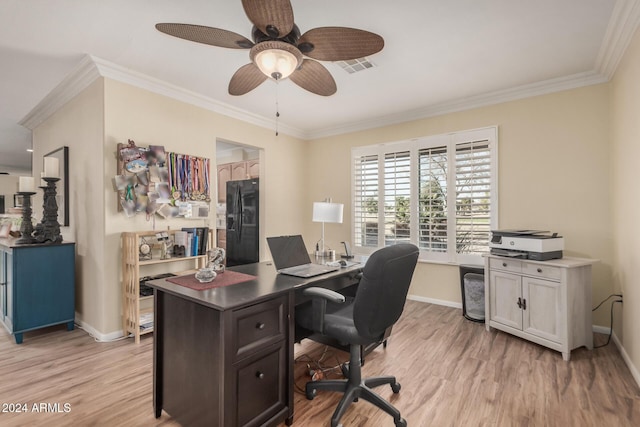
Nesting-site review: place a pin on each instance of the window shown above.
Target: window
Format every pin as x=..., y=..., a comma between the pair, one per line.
x=437, y=192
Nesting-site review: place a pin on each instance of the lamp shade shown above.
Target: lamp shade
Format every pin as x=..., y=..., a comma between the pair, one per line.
x=276, y=59
x=327, y=212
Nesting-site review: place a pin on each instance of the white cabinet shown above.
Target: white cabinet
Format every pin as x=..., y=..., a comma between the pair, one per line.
x=546, y=302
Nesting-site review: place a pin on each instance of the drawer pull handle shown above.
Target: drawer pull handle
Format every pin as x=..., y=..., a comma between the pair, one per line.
x=259, y=375
x=504, y=264
x=260, y=325
x=539, y=270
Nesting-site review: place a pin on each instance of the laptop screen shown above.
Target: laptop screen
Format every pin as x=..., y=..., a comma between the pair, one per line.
x=288, y=251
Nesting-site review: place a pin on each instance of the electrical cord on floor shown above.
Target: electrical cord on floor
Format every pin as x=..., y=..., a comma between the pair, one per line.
x=316, y=369
x=611, y=315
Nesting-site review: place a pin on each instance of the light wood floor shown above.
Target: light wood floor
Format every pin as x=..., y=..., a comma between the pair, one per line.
x=453, y=373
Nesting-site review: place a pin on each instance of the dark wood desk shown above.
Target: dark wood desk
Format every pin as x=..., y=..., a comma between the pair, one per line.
x=224, y=356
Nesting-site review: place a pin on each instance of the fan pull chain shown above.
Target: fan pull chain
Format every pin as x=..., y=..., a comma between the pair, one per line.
x=277, y=107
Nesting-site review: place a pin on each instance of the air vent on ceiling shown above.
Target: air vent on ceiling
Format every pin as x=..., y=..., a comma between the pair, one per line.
x=354, y=65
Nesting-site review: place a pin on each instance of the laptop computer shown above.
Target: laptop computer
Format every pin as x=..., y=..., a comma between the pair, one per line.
x=290, y=257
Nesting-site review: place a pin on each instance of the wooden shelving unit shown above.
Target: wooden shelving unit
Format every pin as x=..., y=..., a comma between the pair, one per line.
x=131, y=266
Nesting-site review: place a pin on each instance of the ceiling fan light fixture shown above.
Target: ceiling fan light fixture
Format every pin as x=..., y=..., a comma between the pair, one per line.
x=276, y=59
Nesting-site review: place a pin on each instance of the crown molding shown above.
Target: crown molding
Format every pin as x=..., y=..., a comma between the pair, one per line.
x=91, y=67
x=75, y=82
x=468, y=103
x=152, y=84
x=623, y=24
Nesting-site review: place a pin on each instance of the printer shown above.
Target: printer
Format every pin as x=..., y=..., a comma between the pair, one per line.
x=526, y=244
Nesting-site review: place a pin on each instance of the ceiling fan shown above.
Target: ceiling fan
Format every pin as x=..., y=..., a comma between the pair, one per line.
x=278, y=50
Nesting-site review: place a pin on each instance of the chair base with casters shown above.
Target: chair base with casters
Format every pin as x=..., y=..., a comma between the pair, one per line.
x=354, y=387
x=360, y=321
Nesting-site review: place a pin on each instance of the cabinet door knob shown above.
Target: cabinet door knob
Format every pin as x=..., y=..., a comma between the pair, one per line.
x=539, y=270
x=504, y=264
x=260, y=325
x=524, y=304
x=519, y=302
x=259, y=375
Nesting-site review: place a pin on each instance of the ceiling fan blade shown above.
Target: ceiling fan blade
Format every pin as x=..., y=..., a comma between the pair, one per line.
x=273, y=17
x=247, y=78
x=206, y=35
x=315, y=78
x=339, y=43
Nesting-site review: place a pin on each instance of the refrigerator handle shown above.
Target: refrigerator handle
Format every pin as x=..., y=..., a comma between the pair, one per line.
x=239, y=214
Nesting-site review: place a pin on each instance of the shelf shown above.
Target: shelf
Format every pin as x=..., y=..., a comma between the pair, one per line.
x=162, y=261
x=131, y=266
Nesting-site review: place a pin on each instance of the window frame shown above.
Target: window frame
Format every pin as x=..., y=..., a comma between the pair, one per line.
x=413, y=146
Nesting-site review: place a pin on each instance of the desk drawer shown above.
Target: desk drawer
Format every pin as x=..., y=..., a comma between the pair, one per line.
x=261, y=384
x=505, y=264
x=542, y=271
x=259, y=325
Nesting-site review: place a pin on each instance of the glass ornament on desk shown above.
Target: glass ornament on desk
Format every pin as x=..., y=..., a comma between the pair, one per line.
x=205, y=275
x=215, y=259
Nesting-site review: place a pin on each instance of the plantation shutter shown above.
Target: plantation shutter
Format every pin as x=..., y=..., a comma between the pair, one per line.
x=437, y=192
x=397, y=192
x=473, y=197
x=365, y=200
x=432, y=208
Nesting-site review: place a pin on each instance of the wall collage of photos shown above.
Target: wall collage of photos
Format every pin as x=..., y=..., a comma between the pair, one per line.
x=153, y=182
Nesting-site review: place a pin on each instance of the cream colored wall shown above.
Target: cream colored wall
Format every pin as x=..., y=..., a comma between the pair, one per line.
x=148, y=118
x=553, y=175
x=625, y=103
x=8, y=187
x=79, y=125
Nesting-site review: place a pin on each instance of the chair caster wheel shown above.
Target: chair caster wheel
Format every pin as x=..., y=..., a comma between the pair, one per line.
x=401, y=423
x=395, y=387
x=311, y=394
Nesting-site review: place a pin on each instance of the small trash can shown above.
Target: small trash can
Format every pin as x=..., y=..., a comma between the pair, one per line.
x=472, y=288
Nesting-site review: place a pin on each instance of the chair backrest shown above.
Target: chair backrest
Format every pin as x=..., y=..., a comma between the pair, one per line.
x=382, y=291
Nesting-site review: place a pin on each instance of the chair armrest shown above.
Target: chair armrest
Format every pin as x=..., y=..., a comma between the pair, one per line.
x=324, y=293
x=319, y=297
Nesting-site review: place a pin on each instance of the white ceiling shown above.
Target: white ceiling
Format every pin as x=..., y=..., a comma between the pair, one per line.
x=438, y=56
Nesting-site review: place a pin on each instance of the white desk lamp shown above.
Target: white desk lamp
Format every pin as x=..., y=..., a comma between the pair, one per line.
x=326, y=212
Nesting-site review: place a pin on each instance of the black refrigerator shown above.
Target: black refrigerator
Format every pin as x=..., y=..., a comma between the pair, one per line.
x=242, y=222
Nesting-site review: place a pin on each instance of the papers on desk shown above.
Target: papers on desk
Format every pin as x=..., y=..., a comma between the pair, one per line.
x=338, y=263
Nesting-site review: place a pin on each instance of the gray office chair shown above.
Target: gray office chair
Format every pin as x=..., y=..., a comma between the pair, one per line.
x=378, y=304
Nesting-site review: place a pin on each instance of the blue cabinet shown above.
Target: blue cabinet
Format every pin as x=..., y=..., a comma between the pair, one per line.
x=37, y=286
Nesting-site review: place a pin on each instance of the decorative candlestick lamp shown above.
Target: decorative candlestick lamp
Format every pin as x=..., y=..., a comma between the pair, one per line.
x=48, y=231
x=26, y=228
x=25, y=189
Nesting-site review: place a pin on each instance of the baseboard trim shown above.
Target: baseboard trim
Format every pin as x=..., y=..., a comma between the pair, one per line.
x=634, y=371
x=601, y=329
x=435, y=301
x=97, y=335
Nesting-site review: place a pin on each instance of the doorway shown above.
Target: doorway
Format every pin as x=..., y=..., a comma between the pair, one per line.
x=239, y=224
